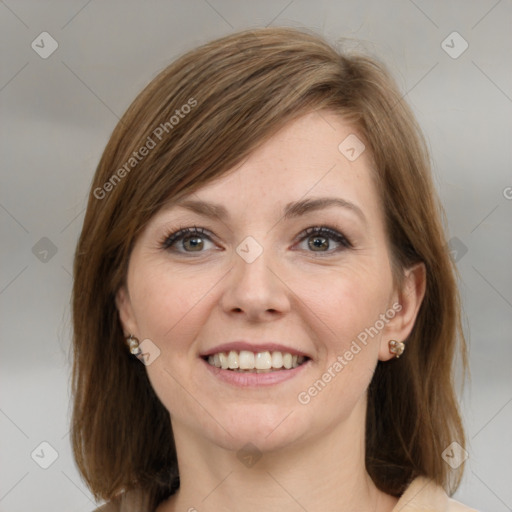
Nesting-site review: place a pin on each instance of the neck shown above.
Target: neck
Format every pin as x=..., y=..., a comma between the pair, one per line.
x=325, y=472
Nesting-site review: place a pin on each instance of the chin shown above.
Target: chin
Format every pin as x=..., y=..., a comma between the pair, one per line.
x=267, y=428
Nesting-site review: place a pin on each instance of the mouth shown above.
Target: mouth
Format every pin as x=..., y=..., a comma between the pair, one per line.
x=245, y=361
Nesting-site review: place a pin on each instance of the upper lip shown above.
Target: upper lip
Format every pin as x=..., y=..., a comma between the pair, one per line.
x=255, y=347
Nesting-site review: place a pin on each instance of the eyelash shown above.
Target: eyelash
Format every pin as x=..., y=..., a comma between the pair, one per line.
x=326, y=231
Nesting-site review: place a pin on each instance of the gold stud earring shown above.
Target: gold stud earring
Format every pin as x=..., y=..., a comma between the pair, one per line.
x=396, y=347
x=133, y=345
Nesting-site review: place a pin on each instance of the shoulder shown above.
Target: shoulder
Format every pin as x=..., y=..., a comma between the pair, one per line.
x=457, y=506
x=424, y=495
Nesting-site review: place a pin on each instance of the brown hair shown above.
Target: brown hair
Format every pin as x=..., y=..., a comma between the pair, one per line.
x=240, y=90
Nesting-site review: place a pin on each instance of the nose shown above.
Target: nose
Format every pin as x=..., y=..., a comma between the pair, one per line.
x=256, y=289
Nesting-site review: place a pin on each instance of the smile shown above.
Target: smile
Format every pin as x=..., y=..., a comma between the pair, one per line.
x=245, y=361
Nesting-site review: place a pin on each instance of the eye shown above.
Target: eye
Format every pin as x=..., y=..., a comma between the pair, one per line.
x=318, y=239
x=193, y=240
x=187, y=240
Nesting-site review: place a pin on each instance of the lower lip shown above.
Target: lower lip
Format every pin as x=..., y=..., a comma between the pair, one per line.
x=246, y=379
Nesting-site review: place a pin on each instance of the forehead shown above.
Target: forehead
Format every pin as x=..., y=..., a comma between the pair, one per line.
x=317, y=155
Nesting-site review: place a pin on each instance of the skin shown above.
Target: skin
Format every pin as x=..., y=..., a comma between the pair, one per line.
x=312, y=455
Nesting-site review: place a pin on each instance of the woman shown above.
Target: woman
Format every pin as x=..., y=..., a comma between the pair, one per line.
x=265, y=314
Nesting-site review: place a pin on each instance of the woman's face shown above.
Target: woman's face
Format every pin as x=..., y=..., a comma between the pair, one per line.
x=259, y=274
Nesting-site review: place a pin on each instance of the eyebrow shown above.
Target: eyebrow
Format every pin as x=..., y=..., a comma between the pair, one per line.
x=291, y=210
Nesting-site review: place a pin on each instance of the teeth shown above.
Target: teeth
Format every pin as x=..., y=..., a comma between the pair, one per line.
x=277, y=360
x=246, y=360
x=263, y=361
x=260, y=362
x=223, y=361
x=232, y=360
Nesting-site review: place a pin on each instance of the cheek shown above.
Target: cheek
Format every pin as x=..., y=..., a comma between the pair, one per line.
x=348, y=304
x=347, y=300
x=165, y=301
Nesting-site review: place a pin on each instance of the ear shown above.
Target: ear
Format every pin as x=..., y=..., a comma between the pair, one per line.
x=406, y=304
x=126, y=316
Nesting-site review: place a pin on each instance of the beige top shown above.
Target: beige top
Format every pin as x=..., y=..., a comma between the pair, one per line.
x=422, y=495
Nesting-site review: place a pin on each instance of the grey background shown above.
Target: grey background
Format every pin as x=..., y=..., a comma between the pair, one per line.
x=57, y=114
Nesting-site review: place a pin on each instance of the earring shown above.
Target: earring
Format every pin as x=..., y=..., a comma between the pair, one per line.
x=133, y=345
x=396, y=347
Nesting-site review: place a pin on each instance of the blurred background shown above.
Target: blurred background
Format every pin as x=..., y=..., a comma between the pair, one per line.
x=69, y=69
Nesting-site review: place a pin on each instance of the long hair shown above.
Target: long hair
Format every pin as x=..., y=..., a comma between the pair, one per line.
x=196, y=120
